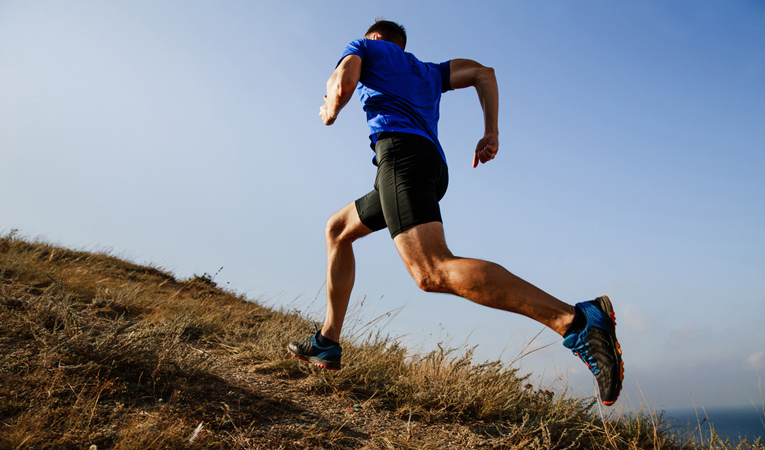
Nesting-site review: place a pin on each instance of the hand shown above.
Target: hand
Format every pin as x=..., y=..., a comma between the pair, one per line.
x=325, y=114
x=486, y=149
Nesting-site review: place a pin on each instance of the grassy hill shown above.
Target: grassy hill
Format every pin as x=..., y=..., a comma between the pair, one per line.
x=101, y=353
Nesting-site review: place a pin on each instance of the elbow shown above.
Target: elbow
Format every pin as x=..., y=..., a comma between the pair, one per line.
x=484, y=79
x=346, y=86
x=341, y=89
x=486, y=73
x=345, y=90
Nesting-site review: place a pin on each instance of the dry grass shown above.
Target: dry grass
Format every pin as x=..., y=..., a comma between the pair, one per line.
x=97, y=351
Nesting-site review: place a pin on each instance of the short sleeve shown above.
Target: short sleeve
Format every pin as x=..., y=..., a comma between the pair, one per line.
x=445, y=69
x=354, y=48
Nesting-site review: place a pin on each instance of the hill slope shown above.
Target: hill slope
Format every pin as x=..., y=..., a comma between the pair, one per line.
x=97, y=351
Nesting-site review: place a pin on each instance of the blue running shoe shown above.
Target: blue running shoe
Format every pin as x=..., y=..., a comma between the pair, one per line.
x=309, y=350
x=597, y=346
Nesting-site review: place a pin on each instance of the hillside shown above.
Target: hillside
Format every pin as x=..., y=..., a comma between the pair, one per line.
x=100, y=353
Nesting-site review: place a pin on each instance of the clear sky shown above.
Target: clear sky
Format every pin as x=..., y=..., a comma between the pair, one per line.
x=186, y=134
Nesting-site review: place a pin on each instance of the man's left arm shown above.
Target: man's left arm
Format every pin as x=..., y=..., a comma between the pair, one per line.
x=340, y=87
x=465, y=73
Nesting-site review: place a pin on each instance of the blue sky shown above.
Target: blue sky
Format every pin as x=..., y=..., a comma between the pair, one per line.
x=632, y=138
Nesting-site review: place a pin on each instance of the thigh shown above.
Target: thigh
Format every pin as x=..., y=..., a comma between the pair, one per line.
x=423, y=248
x=369, y=211
x=411, y=179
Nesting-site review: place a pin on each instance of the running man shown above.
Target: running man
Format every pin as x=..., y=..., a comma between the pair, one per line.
x=401, y=97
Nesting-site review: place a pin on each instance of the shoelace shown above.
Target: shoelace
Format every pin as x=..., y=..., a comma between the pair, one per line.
x=584, y=354
x=312, y=334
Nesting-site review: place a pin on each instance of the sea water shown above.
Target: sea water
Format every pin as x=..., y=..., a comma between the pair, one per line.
x=735, y=424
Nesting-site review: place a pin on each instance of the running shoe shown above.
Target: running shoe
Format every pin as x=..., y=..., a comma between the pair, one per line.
x=597, y=346
x=309, y=350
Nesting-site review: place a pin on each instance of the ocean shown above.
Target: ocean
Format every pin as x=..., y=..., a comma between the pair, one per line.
x=735, y=424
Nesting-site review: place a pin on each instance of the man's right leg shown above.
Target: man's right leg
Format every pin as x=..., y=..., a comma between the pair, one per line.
x=343, y=228
x=323, y=348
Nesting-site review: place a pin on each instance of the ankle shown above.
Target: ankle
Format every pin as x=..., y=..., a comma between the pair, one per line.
x=578, y=322
x=325, y=342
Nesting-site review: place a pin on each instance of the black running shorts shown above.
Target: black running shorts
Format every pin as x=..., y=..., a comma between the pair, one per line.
x=411, y=178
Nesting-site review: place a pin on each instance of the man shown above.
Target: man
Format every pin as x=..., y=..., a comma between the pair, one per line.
x=401, y=97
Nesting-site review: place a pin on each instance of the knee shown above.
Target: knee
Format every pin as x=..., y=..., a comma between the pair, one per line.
x=430, y=280
x=336, y=231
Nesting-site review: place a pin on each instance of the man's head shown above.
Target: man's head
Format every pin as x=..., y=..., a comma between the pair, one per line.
x=386, y=30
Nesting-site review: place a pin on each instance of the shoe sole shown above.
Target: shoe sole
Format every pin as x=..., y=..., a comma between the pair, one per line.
x=324, y=364
x=605, y=305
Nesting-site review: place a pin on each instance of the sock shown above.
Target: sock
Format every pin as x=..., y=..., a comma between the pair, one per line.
x=324, y=342
x=580, y=321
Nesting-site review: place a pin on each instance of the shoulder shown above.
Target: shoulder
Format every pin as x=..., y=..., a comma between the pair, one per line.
x=379, y=47
x=374, y=52
x=355, y=47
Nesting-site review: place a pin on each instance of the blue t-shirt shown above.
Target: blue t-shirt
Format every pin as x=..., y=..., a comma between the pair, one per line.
x=398, y=91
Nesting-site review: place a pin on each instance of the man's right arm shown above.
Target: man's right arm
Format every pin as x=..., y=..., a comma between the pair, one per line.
x=340, y=87
x=465, y=73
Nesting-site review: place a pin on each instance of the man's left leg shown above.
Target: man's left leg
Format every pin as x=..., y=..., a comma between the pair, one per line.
x=589, y=328
x=435, y=269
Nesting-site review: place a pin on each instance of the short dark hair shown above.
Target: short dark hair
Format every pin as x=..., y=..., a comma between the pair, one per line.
x=389, y=31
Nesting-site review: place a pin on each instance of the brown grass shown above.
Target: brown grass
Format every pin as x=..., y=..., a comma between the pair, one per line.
x=97, y=351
